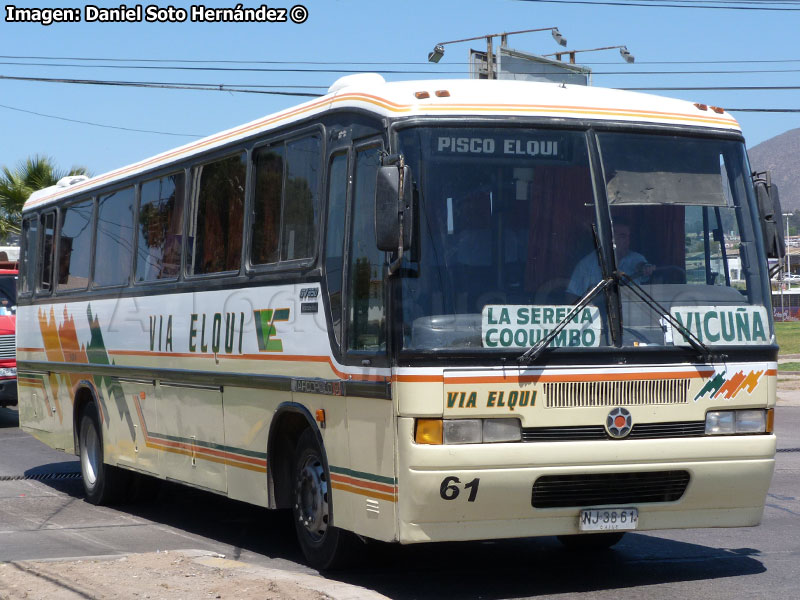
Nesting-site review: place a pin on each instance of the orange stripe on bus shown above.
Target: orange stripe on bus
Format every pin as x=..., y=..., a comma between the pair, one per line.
x=368, y=493
x=382, y=487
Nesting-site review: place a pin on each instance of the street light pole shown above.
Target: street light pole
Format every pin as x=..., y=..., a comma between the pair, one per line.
x=788, y=252
x=438, y=50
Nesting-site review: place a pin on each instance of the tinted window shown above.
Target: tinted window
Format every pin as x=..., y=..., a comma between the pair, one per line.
x=30, y=228
x=219, y=210
x=267, y=205
x=48, y=247
x=158, y=254
x=334, y=239
x=114, y=246
x=367, y=329
x=75, y=246
x=301, y=208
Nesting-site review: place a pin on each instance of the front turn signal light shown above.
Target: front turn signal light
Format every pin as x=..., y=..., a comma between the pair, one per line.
x=429, y=431
x=770, y=420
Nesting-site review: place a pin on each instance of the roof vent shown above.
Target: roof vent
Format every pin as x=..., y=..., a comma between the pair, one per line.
x=71, y=180
x=359, y=79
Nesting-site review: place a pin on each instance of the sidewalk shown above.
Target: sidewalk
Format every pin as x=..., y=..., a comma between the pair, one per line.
x=166, y=575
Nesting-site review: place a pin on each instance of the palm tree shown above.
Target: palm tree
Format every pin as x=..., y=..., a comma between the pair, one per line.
x=16, y=185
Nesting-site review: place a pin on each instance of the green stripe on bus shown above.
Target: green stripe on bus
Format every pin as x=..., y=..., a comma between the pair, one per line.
x=209, y=445
x=362, y=475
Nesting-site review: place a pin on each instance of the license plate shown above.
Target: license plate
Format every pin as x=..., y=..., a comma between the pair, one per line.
x=609, y=519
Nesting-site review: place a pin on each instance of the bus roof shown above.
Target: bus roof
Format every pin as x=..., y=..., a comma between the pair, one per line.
x=455, y=97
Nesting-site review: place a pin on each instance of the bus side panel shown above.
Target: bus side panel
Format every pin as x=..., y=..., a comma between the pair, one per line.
x=191, y=435
x=127, y=410
x=368, y=482
x=248, y=414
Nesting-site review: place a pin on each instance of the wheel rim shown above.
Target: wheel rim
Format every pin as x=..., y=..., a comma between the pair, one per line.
x=90, y=455
x=311, y=498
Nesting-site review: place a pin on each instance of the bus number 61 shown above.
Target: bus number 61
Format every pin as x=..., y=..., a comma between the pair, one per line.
x=449, y=489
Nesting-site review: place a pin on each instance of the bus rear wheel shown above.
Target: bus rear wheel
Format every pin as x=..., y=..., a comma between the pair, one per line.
x=103, y=484
x=325, y=547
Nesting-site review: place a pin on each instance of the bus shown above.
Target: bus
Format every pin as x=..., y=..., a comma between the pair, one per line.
x=417, y=312
x=8, y=310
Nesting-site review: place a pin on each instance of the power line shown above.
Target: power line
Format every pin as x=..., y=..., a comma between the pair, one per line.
x=170, y=86
x=31, y=112
x=352, y=63
x=410, y=72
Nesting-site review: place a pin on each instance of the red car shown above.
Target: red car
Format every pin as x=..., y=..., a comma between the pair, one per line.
x=8, y=321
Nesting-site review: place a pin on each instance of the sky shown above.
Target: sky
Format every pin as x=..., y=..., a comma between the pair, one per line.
x=93, y=126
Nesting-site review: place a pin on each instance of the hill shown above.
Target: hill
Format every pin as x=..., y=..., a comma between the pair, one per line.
x=781, y=155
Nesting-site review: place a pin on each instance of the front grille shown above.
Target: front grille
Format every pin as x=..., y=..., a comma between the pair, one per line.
x=7, y=347
x=637, y=392
x=560, y=491
x=640, y=431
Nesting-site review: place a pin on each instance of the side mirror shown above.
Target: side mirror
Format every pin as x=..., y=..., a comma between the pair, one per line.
x=769, y=210
x=394, y=213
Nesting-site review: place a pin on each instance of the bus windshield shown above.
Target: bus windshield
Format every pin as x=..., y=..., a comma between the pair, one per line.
x=507, y=242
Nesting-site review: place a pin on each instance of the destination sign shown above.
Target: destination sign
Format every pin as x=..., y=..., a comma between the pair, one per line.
x=495, y=145
x=718, y=325
x=521, y=326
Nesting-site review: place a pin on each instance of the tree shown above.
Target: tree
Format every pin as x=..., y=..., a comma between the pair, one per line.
x=35, y=173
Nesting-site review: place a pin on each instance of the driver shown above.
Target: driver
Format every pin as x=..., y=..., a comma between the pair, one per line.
x=587, y=272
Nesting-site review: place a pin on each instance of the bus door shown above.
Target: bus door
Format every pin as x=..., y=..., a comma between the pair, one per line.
x=364, y=345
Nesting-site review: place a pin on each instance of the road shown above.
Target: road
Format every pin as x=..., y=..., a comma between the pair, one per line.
x=43, y=515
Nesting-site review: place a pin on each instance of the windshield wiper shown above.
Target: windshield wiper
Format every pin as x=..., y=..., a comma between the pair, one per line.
x=532, y=353
x=651, y=302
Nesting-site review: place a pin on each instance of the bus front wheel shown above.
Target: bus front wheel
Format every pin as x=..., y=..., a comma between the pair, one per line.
x=325, y=547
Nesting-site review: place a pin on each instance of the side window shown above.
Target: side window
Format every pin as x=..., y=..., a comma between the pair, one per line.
x=334, y=238
x=158, y=253
x=267, y=205
x=366, y=328
x=75, y=246
x=114, y=245
x=47, y=248
x=301, y=200
x=219, y=189
x=30, y=232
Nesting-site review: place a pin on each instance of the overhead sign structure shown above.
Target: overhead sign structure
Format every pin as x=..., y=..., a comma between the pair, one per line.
x=523, y=66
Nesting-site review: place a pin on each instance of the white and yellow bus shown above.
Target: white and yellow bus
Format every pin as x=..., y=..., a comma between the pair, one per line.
x=418, y=311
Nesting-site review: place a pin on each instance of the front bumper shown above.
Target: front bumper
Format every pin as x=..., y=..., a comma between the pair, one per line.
x=729, y=479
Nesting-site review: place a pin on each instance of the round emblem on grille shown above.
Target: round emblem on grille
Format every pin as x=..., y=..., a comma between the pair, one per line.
x=619, y=422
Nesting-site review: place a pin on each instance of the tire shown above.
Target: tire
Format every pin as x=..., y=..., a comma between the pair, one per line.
x=590, y=542
x=325, y=547
x=103, y=484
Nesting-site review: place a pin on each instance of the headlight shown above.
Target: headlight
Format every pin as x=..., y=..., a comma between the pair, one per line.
x=729, y=422
x=8, y=372
x=467, y=431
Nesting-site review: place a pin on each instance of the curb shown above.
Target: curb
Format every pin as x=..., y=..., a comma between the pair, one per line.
x=326, y=588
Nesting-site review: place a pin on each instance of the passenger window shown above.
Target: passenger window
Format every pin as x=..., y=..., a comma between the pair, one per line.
x=301, y=201
x=158, y=254
x=334, y=239
x=114, y=246
x=219, y=189
x=48, y=223
x=75, y=246
x=30, y=232
x=267, y=205
x=367, y=328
